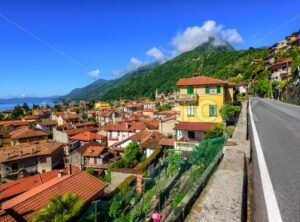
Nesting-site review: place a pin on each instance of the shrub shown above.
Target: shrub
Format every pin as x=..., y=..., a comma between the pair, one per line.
x=229, y=130
x=214, y=132
x=177, y=199
x=174, y=160
x=148, y=161
x=115, y=209
x=132, y=154
x=229, y=111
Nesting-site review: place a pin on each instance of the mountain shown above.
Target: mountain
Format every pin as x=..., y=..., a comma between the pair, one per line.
x=214, y=58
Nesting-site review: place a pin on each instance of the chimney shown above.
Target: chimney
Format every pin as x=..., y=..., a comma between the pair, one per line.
x=196, y=74
x=70, y=170
x=60, y=173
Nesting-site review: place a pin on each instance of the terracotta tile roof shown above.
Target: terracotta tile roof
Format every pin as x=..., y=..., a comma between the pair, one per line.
x=90, y=112
x=93, y=151
x=126, y=126
x=48, y=123
x=167, y=112
x=146, y=139
x=69, y=116
x=83, y=148
x=166, y=142
x=13, y=123
x=87, y=136
x=19, y=186
x=58, y=113
x=26, y=132
x=26, y=150
x=72, y=132
x=194, y=126
x=200, y=80
x=152, y=124
x=89, y=123
x=173, y=117
x=5, y=217
x=26, y=205
x=30, y=117
x=282, y=62
x=133, y=105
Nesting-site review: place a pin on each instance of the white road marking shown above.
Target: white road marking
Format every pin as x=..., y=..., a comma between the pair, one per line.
x=269, y=194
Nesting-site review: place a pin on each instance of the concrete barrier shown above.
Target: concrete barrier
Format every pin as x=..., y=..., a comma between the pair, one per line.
x=224, y=197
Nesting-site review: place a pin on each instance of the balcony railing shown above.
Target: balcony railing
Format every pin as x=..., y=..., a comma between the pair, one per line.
x=185, y=146
x=187, y=98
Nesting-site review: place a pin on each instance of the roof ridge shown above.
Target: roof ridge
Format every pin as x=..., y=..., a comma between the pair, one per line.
x=52, y=182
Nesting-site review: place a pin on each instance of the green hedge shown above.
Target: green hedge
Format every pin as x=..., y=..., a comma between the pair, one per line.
x=143, y=167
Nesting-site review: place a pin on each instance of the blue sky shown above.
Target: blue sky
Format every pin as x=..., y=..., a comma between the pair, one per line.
x=51, y=47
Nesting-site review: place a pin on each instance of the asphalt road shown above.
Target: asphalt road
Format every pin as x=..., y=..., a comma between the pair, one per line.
x=278, y=129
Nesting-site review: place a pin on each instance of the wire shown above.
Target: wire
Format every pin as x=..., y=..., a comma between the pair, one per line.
x=68, y=57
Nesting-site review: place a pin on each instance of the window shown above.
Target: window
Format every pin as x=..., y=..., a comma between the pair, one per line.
x=43, y=160
x=212, y=90
x=213, y=110
x=191, y=134
x=190, y=110
x=190, y=90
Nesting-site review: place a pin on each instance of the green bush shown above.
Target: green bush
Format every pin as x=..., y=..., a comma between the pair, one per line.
x=229, y=130
x=174, y=160
x=149, y=160
x=214, y=132
x=229, y=111
x=177, y=199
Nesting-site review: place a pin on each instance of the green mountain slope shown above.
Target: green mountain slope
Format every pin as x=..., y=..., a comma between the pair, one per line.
x=219, y=61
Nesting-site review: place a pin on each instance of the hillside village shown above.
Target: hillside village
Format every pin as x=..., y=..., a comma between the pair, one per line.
x=106, y=152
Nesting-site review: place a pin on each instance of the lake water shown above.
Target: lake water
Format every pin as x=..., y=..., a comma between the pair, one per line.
x=11, y=106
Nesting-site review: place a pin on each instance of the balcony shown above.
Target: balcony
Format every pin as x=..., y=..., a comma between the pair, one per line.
x=187, y=98
x=185, y=146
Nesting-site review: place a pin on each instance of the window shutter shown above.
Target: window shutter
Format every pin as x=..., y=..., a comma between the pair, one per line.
x=190, y=90
x=218, y=89
x=206, y=90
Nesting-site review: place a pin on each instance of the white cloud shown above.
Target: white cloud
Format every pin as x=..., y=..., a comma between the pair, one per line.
x=231, y=36
x=115, y=73
x=95, y=74
x=156, y=54
x=134, y=64
x=191, y=37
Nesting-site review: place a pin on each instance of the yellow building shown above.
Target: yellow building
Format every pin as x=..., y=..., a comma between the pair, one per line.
x=101, y=105
x=200, y=99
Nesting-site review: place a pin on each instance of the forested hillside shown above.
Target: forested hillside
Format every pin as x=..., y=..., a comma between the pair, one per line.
x=216, y=61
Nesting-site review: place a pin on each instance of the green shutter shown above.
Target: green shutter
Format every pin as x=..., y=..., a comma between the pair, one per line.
x=212, y=110
x=206, y=90
x=190, y=90
x=218, y=89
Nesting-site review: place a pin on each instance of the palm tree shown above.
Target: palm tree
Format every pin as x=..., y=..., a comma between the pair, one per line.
x=60, y=209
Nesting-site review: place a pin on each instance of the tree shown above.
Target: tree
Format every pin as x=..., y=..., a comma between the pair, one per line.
x=115, y=209
x=25, y=107
x=57, y=108
x=35, y=106
x=132, y=154
x=1, y=116
x=214, y=132
x=60, y=209
x=17, y=113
